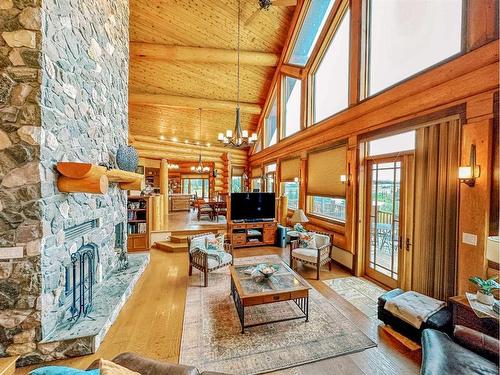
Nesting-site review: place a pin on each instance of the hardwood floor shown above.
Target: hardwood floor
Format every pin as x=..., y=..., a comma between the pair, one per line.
x=151, y=321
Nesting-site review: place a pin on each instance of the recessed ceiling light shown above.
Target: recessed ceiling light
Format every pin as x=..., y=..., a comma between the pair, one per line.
x=208, y=144
x=186, y=141
x=161, y=137
x=197, y=142
x=174, y=139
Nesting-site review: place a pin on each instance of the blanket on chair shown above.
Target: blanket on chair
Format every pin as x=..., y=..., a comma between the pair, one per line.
x=413, y=307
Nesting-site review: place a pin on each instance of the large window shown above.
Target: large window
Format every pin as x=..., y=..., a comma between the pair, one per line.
x=291, y=190
x=257, y=184
x=291, y=91
x=394, y=143
x=236, y=183
x=271, y=124
x=315, y=18
x=409, y=36
x=270, y=173
x=329, y=208
x=196, y=186
x=331, y=81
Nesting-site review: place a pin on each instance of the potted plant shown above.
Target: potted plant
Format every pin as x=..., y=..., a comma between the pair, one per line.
x=486, y=288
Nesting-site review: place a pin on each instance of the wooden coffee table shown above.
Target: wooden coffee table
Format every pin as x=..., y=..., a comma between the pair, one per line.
x=284, y=285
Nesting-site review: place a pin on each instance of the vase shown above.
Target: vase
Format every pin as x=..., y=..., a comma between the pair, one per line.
x=485, y=298
x=127, y=158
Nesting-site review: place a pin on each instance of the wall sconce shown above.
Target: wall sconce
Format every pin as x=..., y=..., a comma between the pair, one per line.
x=296, y=179
x=468, y=173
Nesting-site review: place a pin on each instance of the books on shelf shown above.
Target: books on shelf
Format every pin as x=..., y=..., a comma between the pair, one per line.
x=136, y=228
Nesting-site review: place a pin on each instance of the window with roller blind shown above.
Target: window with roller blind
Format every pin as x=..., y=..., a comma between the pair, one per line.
x=270, y=176
x=237, y=179
x=256, y=182
x=290, y=174
x=326, y=194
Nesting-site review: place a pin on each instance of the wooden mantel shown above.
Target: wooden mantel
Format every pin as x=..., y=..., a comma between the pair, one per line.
x=92, y=178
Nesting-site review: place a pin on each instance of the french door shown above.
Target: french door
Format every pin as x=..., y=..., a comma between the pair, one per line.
x=386, y=236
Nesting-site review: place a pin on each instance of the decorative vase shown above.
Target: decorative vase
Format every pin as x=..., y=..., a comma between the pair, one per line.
x=485, y=298
x=127, y=158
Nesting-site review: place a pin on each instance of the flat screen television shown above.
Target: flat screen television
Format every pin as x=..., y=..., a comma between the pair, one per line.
x=252, y=206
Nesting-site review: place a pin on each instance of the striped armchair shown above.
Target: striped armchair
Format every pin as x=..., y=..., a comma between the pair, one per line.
x=315, y=257
x=203, y=260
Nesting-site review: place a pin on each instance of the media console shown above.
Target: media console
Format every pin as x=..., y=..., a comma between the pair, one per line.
x=257, y=233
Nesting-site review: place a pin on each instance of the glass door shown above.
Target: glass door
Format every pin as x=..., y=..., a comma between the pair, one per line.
x=384, y=196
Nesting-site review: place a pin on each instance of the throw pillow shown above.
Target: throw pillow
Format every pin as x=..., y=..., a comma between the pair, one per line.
x=198, y=243
x=307, y=240
x=215, y=243
x=111, y=368
x=61, y=370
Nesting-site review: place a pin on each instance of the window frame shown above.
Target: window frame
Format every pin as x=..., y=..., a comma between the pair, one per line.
x=298, y=27
x=364, y=80
x=272, y=99
x=326, y=42
x=207, y=195
x=283, y=184
x=309, y=203
x=241, y=183
x=283, y=107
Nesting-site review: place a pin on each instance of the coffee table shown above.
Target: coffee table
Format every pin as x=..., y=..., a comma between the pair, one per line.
x=284, y=285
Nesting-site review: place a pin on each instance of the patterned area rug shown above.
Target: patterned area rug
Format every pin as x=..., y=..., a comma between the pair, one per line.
x=211, y=338
x=359, y=292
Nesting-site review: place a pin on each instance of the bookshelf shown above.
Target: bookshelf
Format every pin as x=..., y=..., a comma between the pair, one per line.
x=139, y=218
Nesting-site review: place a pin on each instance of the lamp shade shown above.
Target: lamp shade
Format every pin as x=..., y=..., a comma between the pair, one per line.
x=299, y=217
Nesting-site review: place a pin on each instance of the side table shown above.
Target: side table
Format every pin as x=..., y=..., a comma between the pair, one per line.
x=464, y=315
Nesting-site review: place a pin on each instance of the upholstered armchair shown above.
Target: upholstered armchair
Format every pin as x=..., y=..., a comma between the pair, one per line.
x=205, y=260
x=318, y=256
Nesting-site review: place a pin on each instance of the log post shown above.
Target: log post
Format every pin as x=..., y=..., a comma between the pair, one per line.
x=164, y=190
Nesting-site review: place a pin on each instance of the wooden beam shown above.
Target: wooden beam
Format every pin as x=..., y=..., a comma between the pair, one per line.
x=163, y=52
x=188, y=102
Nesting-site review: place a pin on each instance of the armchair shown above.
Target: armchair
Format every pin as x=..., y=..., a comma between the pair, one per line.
x=316, y=257
x=205, y=261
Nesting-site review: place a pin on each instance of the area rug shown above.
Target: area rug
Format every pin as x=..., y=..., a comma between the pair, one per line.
x=359, y=292
x=212, y=341
x=205, y=220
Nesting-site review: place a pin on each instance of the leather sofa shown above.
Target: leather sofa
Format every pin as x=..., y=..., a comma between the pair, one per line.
x=146, y=366
x=441, y=320
x=471, y=352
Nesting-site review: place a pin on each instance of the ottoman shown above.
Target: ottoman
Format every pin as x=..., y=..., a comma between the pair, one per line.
x=440, y=321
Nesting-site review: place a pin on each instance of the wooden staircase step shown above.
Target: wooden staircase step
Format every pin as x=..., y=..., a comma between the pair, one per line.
x=172, y=247
x=179, y=238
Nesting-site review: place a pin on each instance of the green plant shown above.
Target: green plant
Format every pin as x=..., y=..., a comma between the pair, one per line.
x=485, y=286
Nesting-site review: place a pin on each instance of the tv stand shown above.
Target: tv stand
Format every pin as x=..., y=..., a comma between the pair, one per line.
x=257, y=233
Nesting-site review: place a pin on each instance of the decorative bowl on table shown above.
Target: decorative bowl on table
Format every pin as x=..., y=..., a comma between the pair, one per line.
x=268, y=271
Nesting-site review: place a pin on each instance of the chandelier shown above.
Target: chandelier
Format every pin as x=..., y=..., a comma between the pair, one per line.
x=238, y=138
x=200, y=168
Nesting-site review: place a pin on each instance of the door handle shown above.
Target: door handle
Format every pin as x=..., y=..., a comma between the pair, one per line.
x=408, y=244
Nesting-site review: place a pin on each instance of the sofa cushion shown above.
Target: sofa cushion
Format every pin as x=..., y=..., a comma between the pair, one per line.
x=223, y=259
x=442, y=356
x=310, y=255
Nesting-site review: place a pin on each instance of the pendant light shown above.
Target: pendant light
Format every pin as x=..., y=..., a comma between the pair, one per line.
x=239, y=138
x=200, y=168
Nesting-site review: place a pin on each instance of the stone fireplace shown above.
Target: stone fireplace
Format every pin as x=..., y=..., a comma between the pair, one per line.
x=63, y=97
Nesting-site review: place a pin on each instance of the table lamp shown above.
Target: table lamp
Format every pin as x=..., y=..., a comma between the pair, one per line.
x=299, y=217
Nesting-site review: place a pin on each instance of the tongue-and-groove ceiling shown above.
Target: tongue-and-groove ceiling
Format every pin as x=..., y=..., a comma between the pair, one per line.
x=183, y=58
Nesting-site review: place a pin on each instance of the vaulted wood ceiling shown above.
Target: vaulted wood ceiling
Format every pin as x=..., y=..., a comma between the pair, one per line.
x=169, y=80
